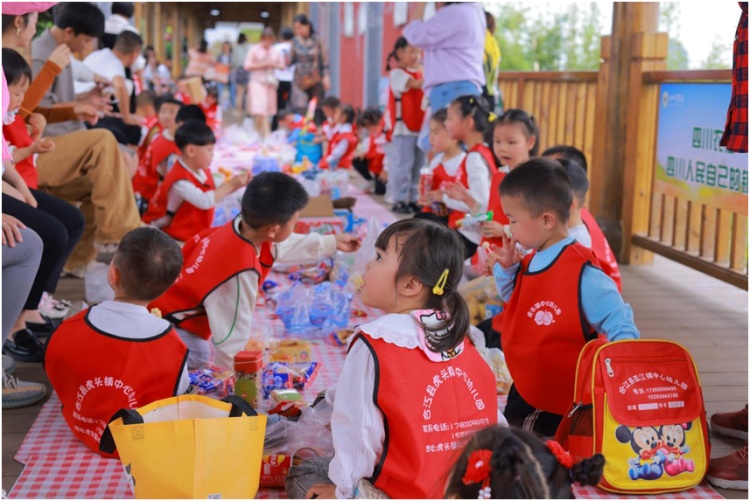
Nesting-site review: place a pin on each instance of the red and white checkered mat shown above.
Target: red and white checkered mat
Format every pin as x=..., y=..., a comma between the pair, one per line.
x=702, y=491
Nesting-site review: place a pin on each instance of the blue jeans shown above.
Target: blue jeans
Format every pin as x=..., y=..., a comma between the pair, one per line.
x=440, y=97
x=232, y=91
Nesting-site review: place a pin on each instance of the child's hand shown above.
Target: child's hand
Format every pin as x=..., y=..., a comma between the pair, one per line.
x=433, y=196
x=457, y=192
x=38, y=123
x=347, y=242
x=321, y=491
x=43, y=145
x=493, y=229
x=240, y=180
x=509, y=255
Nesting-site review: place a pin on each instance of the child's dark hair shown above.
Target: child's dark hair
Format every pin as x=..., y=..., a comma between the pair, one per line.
x=145, y=98
x=426, y=250
x=190, y=112
x=371, y=116
x=577, y=177
x=569, y=152
x=128, y=42
x=149, y=261
x=542, y=185
x=83, y=18
x=281, y=115
x=272, y=198
x=401, y=43
x=439, y=116
x=194, y=132
x=331, y=102
x=521, y=467
x=517, y=115
x=15, y=67
x=477, y=108
x=347, y=110
x=167, y=99
x=125, y=9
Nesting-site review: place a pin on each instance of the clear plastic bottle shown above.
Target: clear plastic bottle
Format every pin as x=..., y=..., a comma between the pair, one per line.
x=322, y=305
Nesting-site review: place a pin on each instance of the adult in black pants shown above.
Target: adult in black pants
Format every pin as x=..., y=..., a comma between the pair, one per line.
x=59, y=225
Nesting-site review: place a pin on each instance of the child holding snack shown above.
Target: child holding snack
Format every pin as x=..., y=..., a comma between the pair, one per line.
x=213, y=300
x=184, y=203
x=557, y=299
x=116, y=354
x=509, y=463
x=404, y=403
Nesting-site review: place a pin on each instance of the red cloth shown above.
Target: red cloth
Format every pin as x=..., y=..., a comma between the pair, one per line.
x=17, y=134
x=147, y=177
x=498, y=214
x=430, y=410
x=410, y=110
x=95, y=374
x=348, y=158
x=375, y=153
x=205, y=267
x=543, y=329
x=188, y=220
x=462, y=179
x=735, y=130
x=601, y=248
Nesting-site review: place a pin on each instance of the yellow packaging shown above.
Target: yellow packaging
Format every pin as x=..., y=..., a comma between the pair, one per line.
x=292, y=351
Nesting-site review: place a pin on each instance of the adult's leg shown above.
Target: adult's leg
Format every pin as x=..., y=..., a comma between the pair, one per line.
x=20, y=265
x=87, y=167
x=399, y=177
x=416, y=166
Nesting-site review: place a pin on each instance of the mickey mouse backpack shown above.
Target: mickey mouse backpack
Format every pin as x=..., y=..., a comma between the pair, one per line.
x=639, y=403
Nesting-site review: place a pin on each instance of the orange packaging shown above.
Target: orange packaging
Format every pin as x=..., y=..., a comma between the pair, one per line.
x=274, y=469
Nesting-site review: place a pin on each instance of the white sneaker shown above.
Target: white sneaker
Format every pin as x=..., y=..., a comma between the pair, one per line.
x=17, y=393
x=53, y=308
x=9, y=365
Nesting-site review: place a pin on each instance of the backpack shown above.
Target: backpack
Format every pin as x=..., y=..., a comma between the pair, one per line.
x=639, y=403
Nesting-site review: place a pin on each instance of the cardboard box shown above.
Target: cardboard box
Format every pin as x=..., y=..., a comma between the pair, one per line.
x=318, y=207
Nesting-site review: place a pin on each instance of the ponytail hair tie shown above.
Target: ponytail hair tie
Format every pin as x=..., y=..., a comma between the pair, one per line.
x=563, y=457
x=491, y=117
x=439, y=287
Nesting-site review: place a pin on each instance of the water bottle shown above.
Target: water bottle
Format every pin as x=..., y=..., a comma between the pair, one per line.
x=472, y=222
x=322, y=305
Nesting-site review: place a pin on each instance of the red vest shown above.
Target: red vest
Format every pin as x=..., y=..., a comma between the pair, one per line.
x=147, y=178
x=462, y=179
x=209, y=259
x=439, y=176
x=543, y=329
x=211, y=112
x=348, y=158
x=601, y=248
x=496, y=207
x=429, y=411
x=96, y=374
x=375, y=153
x=188, y=219
x=407, y=108
x=16, y=134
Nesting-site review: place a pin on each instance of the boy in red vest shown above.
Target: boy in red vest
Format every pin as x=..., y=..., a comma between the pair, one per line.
x=557, y=299
x=116, y=355
x=184, y=203
x=162, y=152
x=599, y=243
x=213, y=299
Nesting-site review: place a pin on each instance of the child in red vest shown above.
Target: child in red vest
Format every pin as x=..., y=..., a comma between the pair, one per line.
x=162, y=153
x=116, y=354
x=341, y=147
x=509, y=463
x=599, y=243
x=184, y=203
x=210, y=107
x=213, y=300
x=403, y=120
x=444, y=167
x=330, y=108
x=370, y=164
x=413, y=387
x=556, y=298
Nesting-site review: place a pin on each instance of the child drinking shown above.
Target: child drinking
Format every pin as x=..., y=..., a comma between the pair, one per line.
x=344, y=142
x=509, y=463
x=404, y=402
x=403, y=119
x=557, y=299
x=184, y=203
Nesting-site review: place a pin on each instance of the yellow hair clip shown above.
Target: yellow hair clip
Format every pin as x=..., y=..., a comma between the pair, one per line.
x=491, y=117
x=440, y=285
x=471, y=100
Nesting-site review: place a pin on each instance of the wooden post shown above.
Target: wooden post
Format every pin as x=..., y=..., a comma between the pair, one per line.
x=157, y=29
x=628, y=19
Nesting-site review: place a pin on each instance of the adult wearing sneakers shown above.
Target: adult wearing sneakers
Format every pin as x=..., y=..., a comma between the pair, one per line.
x=730, y=471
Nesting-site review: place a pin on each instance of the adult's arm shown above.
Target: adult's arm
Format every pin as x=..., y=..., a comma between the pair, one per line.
x=434, y=32
x=43, y=81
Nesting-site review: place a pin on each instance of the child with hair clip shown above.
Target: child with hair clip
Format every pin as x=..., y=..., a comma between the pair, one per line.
x=344, y=142
x=412, y=385
x=469, y=120
x=370, y=164
x=403, y=120
x=509, y=463
x=443, y=168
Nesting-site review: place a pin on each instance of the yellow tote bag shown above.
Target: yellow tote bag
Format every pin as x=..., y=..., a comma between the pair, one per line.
x=190, y=446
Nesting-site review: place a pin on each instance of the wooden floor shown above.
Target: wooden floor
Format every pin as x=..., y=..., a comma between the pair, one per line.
x=670, y=301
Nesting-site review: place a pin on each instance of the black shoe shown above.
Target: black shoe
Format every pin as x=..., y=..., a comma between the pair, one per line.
x=43, y=329
x=401, y=208
x=25, y=347
x=415, y=208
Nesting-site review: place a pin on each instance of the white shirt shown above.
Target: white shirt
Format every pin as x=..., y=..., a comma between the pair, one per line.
x=284, y=50
x=340, y=149
x=581, y=234
x=356, y=423
x=450, y=165
x=116, y=24
x=479, y=181
x=131, y=321
x=104, y=62
x=230, y=306
x=184, y=191
x=398, y=80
